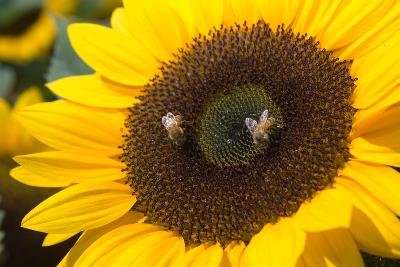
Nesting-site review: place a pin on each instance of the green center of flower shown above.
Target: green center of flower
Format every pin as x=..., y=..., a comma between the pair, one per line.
x=222, y=134
x=239, y=130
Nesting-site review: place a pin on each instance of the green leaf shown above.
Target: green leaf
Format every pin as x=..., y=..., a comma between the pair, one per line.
x=65, y=62
x=7, y=78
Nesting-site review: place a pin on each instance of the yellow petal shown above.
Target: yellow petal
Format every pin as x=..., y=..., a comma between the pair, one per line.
x=301, y=263
x=72, y=167
x=162, y=254
x=24, y=176
x=28, y=97
x=312, y=17
x=186, y=260
x=386, y=27
x=138, y=28
x=378, y=74
x=352, y=20
x=186, y=13
x=80, y=207
x=208, y=14
x=63, y=262
x=365, y=150
x=94, y=90
x=135, y=246
x=245, y=11
x=380, y=129
x=333, y=248
x=4, y=109
x=22, y=142
x=90, y=236
x=229, y=17
x=67, y=126
x=211, y=257
x=52, y=239
x=151, y=252
x=330, y=208
x=19, y=141
x=278, y=245
x=380, y=132
x=113, y=54
x=118, y=20
x=108, y=247
x=375, y=229
x=379, y=180
x=388, y=101
x=278, y=12
x=4, y=126
x=232, y=254
x=146, y=22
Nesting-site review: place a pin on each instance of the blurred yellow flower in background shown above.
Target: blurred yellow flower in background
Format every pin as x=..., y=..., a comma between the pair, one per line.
x=14, y=139
x=31, y=32
x=33, y=41
x=30, y=35
x=33, y=49
x=61, y=6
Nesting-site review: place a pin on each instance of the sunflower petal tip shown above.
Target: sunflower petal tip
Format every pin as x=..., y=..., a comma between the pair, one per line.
x=24, y=223
x=49, y=84
x=74, y=30
x=74, y=26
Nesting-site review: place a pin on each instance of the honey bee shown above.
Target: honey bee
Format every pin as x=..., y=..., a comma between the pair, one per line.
x=173, y=124
x=260, y=130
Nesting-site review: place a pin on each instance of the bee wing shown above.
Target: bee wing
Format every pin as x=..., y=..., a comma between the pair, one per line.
x=170, y=116
x=264, y=116
x=250, y=124
x=164, y=121
x=168, y=120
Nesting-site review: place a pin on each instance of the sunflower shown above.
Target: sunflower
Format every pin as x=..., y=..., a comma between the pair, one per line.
x=31, y=35
x=61, y=6
x=28, y=37
x=14, y=139
x=225, y=133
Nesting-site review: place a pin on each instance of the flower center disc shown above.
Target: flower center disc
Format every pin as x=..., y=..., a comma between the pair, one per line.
x=221, y=132
x=221, y=185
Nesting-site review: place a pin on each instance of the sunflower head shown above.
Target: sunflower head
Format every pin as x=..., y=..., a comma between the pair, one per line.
x=220, y=86
x=211, y=133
